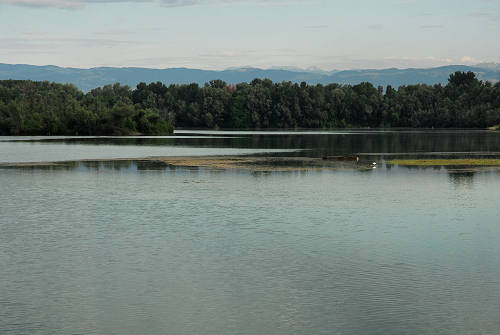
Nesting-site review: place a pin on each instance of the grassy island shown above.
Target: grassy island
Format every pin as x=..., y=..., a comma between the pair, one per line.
x=447, y=162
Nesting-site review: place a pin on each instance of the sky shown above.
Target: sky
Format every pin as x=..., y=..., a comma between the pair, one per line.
x=220, y=34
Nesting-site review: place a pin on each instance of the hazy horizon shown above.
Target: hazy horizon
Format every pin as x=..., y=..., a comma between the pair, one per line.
x=243, y=67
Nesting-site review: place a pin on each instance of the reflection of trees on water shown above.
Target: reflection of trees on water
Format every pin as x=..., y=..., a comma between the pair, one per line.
x=457, y=175
x=462, y=178
x=107, y=165
x=321, y=145
x=128, y=165
x=66, y=166
x=393, y=143
x=329, y=144
x=115, y=165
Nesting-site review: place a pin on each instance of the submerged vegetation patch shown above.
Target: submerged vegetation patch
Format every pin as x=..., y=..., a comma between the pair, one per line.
x=255, y=163
x=249, y=163
x=447, y=162
x=258, y=164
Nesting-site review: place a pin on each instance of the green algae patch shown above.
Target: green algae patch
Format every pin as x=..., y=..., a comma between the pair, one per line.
x=446, y=162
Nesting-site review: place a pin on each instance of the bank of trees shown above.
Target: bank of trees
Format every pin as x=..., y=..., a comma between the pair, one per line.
x=43, y=108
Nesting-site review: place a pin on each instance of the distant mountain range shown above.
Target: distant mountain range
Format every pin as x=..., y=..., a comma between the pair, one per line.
x=87, y=79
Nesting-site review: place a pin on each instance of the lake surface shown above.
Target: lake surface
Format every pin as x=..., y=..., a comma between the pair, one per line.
x=299, y=143
x=130, y=247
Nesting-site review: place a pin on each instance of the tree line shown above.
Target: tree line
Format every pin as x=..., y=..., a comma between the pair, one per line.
x=43, y=108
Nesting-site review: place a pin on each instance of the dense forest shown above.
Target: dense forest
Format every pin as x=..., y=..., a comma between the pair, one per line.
x=43, y=108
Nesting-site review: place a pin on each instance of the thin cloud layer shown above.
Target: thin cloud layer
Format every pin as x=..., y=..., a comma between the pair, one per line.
x=216, y=34
x=75, y=4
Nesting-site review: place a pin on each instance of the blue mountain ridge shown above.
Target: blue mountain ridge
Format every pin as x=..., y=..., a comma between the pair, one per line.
x=87, y=79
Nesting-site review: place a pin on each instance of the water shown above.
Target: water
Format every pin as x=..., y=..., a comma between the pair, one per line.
x=130, y=247
x=299, y=143
x=46, y=149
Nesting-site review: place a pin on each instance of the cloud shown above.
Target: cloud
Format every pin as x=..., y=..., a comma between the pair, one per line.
x=317, y=26
x=376, y=26
x=410, y=61
x=467, y=59
x=179, y=3
x=431, y=26
x=76, y=4
x=43, y=3
x=488, y=16
x=53, y=42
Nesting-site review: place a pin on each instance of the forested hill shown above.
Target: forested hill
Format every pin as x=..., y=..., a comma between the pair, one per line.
x=43, y=108
x=87, y=79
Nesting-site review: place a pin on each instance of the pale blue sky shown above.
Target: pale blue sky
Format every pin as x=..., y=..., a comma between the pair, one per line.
x=217, y=34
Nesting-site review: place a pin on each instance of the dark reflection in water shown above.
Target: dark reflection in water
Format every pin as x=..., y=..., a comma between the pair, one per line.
x=369, y=146
x=322, y=144
x=123, y=165
x=462, y=178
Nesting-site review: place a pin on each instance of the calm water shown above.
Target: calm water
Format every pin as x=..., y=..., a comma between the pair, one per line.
x=134, y=248
x=199, y=143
